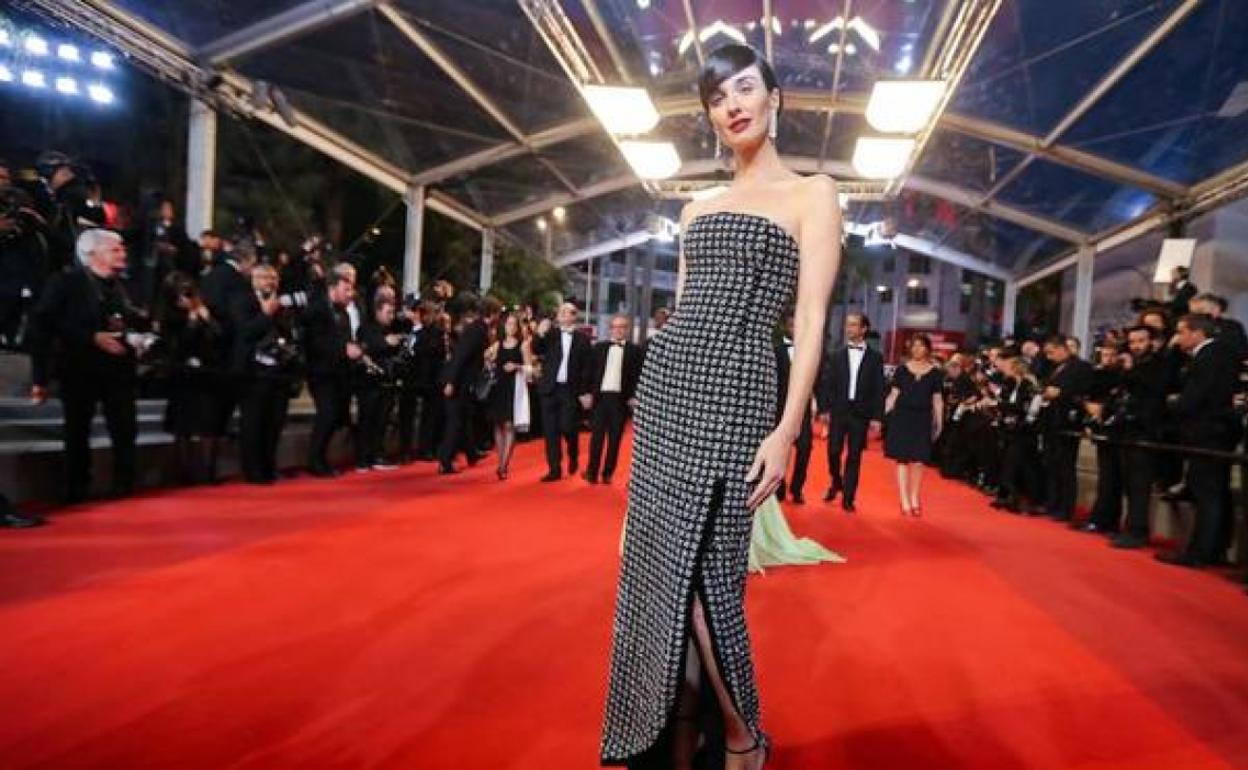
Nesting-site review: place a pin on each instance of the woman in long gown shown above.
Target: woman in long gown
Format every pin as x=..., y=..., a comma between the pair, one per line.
x=707, y=450
x=913, y=414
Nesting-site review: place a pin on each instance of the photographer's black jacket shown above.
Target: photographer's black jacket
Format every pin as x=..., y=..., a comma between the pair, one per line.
x=327, y=330
x=1146, y=384
x=467, y=357
x=372, y=339
x=75, y=305
x=250, y=325
x=1075, y=379
x=1204, y=405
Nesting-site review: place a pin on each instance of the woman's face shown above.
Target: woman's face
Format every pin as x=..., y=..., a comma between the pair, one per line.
x=385, y=314
x=740, y=109
x=511, y=327
x=919, y=351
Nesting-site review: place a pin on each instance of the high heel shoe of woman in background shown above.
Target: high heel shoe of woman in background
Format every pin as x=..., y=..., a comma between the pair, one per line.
x=502, y=474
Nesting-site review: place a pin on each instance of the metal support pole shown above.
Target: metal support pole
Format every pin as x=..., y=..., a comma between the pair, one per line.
x=1009, y=309
x=201, y=168
x=414, y=237
x=630, y=283
x=647, y=294
x=1081, y=319
x=589, y=292
x=487, y=259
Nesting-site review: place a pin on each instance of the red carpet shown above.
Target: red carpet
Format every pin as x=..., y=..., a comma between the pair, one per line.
x=404, y=620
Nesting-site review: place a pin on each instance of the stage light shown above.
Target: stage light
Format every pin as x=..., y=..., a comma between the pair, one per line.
x=651, y=160
x=36, y=46
x=67, y=85
x=68, y=52
x=560, y=213
x=903, y=106
x=881, y=158
x=6, y=39
x=913, y=283
x=34, y=79
x=99, y=93
x=622, y=110
x=6, y=74
x=881, y=289
x=102, y=59
x=541, y=224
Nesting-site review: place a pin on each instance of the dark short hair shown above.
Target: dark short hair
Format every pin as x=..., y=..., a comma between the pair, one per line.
x=1009, y=351
x=491, y=307
x=1199, y=322
x=862, y=318
x=1213, y=298
x=465, y=303
x=1058, y=340
x=1150, y=331
x=728, y=60
x=1182, y=272
x=922, y=338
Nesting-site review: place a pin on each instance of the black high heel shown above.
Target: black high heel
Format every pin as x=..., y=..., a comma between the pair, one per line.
x=761, y=742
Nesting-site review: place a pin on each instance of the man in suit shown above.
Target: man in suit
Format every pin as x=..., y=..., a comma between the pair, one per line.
x=563, y=387
x=614, y=368
x=1227, y=331
x=226, y=281
x=256, y=317
x=1205, y=412
x=458, y=375
x=332, y=352
x=85, y=313
x=1145, y=381
x=1182, y=291
x=805, y=438
x=1066, y=388
x=850, y=392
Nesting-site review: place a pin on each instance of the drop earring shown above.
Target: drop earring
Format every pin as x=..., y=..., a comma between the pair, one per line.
x=719, y=148
x=773, y=127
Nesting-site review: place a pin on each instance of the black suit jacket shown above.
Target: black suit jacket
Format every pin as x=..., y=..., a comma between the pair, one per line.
x=832, y=386
x=66, y=320
x=250, y=326
x=1204, y=406
x=1075, y=379
x=220, y=287
x=1230, y=333
x=327, y=330
x=550, y=348
x=628, y=377
x=1178, y=303
x=467, y=357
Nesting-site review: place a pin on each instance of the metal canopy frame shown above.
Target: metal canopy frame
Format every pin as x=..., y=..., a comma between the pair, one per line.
x=198, y=72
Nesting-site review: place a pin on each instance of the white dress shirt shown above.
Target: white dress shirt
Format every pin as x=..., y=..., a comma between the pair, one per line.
x=565, y=336
x=855, y=363
x=353, y=313
x=613, y=374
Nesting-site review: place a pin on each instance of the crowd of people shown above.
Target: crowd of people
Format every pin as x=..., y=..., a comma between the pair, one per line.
x=227, y=326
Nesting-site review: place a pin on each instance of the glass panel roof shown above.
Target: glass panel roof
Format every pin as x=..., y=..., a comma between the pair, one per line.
x=201, y=21
x=965, y=161
x=587, y=159
x=1066, y=195
x=1034, y=46
x=1182, y=113
x=503, y=186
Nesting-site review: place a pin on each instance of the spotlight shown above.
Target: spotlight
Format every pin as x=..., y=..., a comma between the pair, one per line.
x=6, y=74
x=67, y=85
x=36, y=46
x=560, y=213
x=6, y=39
x=102, y=59
x=99, y=93
x=913, y=283
x=68, y=52
x=541, y=224
x=34, y=79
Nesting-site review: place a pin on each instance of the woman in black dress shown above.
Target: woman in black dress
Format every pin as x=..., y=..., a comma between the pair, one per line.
x=507, y=356
x=914, y=413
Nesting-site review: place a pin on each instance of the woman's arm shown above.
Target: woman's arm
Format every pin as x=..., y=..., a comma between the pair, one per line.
x=819, y=240
x=891, y=400
x=938, y=414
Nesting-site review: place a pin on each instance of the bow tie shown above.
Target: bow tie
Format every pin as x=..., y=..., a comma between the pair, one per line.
x=618, y=344
x=857, y=347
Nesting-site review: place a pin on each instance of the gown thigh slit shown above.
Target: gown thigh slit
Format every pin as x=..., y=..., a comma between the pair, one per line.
x=707, y=399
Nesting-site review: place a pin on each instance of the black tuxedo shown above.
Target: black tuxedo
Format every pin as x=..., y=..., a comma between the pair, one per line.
x=75, y=306
x=805, y=436
x=1207, y=420
x=265, y=389
x=461, y=371
x=1182, y=296
x=1146, y=384
x=1230, y=333
x=848, y=418
x=560, y=408
x=327, y=330
x=611, y=408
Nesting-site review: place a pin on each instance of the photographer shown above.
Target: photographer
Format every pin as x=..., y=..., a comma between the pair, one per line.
x=331, y=351
x=1018, y=437
x=460, y=374
x=162, y=248
x=1138, y=416
x=265, y=359
x=420, y=358
x=1104, y=393
x=23, y=259
x=59, y=196
x=1064, y=391
x=192, y=344
x=377, y=381
x=87, y=316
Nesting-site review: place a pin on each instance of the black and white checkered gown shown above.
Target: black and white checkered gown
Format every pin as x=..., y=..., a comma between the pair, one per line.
x=707, y=400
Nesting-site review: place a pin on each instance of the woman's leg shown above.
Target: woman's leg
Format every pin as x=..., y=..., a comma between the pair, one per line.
x=916, y=481
x=501, y=443
x=686, y=730
x=903, y=486
x=737, y=734
x=508, y=445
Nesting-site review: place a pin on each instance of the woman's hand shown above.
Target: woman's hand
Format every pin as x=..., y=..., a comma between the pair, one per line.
x=770, y=462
